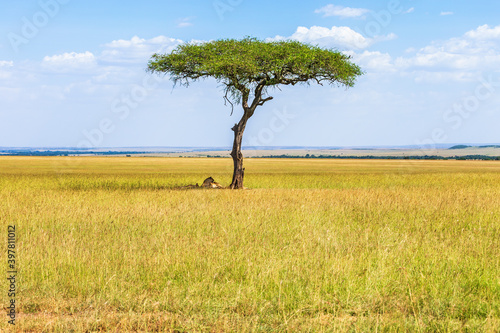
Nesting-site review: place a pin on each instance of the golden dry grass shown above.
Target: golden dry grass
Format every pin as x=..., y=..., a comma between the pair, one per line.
x=108, y=244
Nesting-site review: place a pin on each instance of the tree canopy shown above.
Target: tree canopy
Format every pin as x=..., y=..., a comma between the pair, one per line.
x=243, y=65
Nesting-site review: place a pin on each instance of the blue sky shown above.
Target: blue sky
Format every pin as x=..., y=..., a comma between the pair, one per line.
x=72, y=73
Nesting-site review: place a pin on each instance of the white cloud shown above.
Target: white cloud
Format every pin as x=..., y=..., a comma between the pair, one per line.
x=137, y=50
x=340, y=11
x=477, y=50
x=411, y=10
x=374, y=61
x=443, y=77
x=459, y=59
x=4, y=63
x=484, y=32
x=6, y=69
x=184, y=22
x=446, y=13
x=69, y=62
x=336, y=37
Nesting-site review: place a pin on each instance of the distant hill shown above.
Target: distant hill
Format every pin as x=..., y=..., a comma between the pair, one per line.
x=460, y=147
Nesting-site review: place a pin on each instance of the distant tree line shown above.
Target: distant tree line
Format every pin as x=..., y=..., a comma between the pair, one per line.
x=366, y=157
x=66, y=153
x=371, y=157
x=465, y=146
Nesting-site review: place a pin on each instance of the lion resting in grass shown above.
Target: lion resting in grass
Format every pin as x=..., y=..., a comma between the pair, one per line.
x=211, y=183
x=207, y=183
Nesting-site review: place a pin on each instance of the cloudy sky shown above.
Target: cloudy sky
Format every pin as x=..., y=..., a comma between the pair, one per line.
x=72, y=73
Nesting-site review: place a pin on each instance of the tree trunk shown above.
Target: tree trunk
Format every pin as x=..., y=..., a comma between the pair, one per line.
x=239, y=128
x=239, y=171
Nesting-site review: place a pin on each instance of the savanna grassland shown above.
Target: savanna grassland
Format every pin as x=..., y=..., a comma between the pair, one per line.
x=110, y=244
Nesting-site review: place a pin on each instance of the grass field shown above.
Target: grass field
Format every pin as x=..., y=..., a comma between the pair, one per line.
x=109, y=244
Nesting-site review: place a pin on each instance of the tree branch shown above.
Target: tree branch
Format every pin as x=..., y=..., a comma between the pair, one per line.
x=227, y=100
x=262, y=101
x=258, y=95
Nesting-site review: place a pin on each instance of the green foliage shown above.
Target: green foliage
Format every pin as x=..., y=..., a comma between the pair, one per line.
x=243, y=65
x=460, y=147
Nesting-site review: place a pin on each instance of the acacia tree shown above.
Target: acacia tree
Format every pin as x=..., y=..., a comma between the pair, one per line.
x=247, y=68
